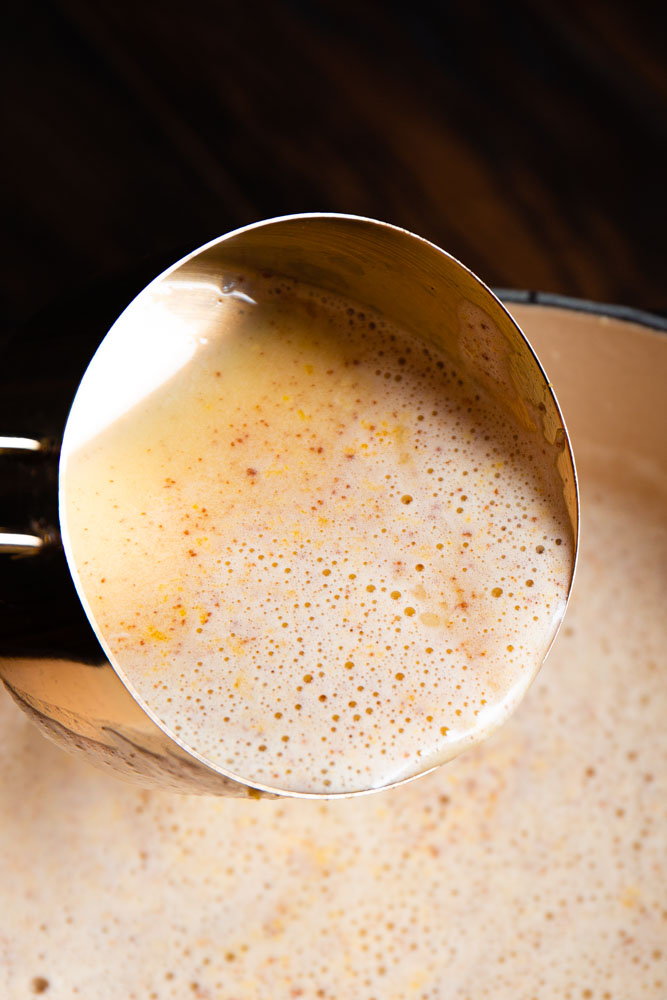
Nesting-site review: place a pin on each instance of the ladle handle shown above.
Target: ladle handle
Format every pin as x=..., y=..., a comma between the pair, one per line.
x=28, y=469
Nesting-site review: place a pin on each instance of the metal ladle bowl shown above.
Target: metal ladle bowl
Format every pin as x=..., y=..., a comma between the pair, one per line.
x=90, y=707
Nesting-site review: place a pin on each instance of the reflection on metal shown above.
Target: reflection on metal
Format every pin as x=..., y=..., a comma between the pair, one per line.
x=19, y=444
x=13, y=543
x=86, y=709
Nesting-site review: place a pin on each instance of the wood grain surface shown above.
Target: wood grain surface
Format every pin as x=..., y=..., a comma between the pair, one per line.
x=526, y=138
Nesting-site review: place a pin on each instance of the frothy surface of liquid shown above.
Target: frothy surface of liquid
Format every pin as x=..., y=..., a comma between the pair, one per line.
x=320, y=553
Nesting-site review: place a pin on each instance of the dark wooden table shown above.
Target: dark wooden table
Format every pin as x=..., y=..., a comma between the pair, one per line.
x=527, y=138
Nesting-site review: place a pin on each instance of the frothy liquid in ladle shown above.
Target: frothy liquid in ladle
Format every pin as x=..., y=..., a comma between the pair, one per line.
x=320, y=553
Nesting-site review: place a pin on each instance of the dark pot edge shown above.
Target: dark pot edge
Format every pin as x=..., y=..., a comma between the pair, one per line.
x=627, y=313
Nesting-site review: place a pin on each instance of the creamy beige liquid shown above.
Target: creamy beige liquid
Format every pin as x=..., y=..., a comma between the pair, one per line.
x=320, y=553
x=533, y=866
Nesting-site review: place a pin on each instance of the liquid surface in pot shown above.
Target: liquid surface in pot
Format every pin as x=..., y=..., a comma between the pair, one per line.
x=321, y=554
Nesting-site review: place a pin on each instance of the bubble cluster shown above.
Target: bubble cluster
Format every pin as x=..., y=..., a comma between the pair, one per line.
x=321, y=553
